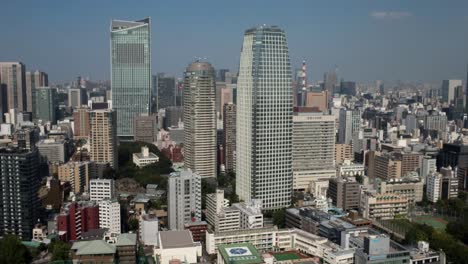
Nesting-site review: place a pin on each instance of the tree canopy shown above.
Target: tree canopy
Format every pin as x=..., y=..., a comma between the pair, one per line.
x=12, y=251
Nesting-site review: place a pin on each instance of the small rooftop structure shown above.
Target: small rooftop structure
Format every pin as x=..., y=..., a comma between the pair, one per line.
x=145, y=157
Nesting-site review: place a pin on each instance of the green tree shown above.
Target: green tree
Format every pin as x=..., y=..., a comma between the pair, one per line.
x=279, y=218
x=60, y=250
x=12, y=251
x=414, y=235
x=133, y=224
x=459, y=230
x=360, y=179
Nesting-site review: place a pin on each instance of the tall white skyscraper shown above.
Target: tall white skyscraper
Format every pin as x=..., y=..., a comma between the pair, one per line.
x=183, y=198
x=200, y=119
x=264, y=119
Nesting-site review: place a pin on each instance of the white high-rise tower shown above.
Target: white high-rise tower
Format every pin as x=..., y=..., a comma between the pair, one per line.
x=264, y=119
x=200, y=119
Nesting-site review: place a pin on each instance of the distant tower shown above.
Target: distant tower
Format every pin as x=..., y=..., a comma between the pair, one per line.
x=466, y=90
x=46, y=104
x=13, y=77
x=304, y=87
x=34, y=80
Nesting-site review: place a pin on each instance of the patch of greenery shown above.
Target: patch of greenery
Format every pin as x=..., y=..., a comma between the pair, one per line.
x=12, y=251
x=455, y=251
x=60, y=250
x=151, y=174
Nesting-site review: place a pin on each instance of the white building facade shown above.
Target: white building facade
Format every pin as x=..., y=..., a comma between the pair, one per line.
x=433, y=186
x=264, y=119
x=313, y=149
x=109, y=216
x=184, y=198
x=101, y=189
x=149, y=230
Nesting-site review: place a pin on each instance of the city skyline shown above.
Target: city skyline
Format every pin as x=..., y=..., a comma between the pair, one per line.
x=359, y=40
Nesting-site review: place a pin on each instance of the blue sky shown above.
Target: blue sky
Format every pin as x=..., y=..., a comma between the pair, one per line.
x=368, y=40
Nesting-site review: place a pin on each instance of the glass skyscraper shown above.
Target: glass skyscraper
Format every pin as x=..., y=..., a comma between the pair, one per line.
x=131, y=72
x=264, y=119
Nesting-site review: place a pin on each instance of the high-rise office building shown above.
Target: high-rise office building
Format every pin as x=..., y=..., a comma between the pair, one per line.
x=184, y=199
x=81, y=123
x=174, y=115
x=131, y=72
x=166, y=91
x=13, y=76
x=102, y=137
x=264, y=119
x=466, y=92
x=3, y=100
x=348, y=88
x=229, y=130
x=344, y=193
x=19, y=182
x=448, y=90
x=428, y=166
x=145, y=128
x=46, y=104
x=329, y=83
x=453, y=155
x=436, y=121
x=33, y=80
x=313, y=141
x=350, y=121
x=200, y=119
x=221, y=75
x=76, y=97
x=225, y=97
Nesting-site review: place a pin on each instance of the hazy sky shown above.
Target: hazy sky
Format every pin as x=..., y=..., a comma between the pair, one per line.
x=368, y=40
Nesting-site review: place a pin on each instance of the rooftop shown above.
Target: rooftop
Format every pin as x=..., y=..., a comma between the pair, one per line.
x=93, y=247
x=150, y=155
x=176, y=239
x=127, y=239
x=241, y=253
